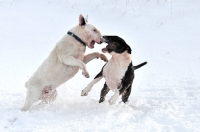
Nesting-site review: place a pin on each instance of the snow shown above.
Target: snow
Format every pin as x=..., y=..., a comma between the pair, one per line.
x=165, y=93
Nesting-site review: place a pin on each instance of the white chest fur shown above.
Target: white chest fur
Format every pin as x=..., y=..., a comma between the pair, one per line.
x=115, y=69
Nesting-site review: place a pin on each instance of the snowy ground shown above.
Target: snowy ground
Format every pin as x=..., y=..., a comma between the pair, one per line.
x=166, y=92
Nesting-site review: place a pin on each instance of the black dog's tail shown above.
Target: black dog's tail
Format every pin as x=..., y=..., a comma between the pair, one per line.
x=140, y=65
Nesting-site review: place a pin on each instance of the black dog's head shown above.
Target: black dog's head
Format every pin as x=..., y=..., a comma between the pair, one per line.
x=115, y=44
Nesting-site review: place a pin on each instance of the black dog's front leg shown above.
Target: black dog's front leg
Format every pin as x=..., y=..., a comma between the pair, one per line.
x=104, y=91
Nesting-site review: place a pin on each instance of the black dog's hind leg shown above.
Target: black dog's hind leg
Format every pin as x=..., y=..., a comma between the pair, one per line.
x=126, y=83
x=104, y=91
x=126, y=94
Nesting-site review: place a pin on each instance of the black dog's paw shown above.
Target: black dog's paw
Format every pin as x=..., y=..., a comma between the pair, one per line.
x=101, y=100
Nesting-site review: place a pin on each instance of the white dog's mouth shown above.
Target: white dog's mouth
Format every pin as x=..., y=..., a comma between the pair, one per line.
x=92, y=43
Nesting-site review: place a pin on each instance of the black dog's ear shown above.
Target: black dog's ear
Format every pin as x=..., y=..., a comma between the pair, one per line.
x=128, y=48
x=81, y=20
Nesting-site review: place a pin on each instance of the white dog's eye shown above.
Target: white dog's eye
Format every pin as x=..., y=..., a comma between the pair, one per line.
x=95, y=30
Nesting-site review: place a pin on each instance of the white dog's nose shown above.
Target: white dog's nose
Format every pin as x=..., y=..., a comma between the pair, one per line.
x=103, y=39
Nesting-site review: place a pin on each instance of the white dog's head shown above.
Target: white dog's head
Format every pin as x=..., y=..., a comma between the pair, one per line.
x=90, y=32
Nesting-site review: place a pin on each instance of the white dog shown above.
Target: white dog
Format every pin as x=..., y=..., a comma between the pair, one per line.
x=63, y=63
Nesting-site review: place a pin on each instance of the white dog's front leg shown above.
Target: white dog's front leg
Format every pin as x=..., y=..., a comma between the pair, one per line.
x=70, y=60
x=113, y=99
x=86, y=90
x=89, y=57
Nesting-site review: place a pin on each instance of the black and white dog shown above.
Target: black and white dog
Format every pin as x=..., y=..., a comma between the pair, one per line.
x=118, y=72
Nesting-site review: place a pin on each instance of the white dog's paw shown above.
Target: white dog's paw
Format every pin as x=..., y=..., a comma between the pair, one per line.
x=86, y=74
x=84, y=92
x=103, y=57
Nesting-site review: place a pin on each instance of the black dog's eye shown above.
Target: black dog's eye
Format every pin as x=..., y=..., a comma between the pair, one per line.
x=117, y=44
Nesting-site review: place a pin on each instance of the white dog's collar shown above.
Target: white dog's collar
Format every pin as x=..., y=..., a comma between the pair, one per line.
x=76, y=37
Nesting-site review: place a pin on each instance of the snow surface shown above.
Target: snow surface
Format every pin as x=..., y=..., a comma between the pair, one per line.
x=166, y=92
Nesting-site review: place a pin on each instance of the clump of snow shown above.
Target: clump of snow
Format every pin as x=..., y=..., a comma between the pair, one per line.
x=165, y=93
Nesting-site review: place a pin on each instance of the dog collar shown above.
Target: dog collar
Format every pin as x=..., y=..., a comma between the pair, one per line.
x=76, y=37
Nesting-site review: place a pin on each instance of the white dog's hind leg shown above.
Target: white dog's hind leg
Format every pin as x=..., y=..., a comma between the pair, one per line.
x=32, y=96
x=86, y=90
x=48, y=95
x=113, y=99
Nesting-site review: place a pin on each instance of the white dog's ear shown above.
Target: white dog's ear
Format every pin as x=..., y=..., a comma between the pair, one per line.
x=86, y=19
x=81, y=20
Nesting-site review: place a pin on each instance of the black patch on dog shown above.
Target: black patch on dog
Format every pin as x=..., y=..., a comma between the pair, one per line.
x=126, y=83
x=116, y=44
x=104, y=91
